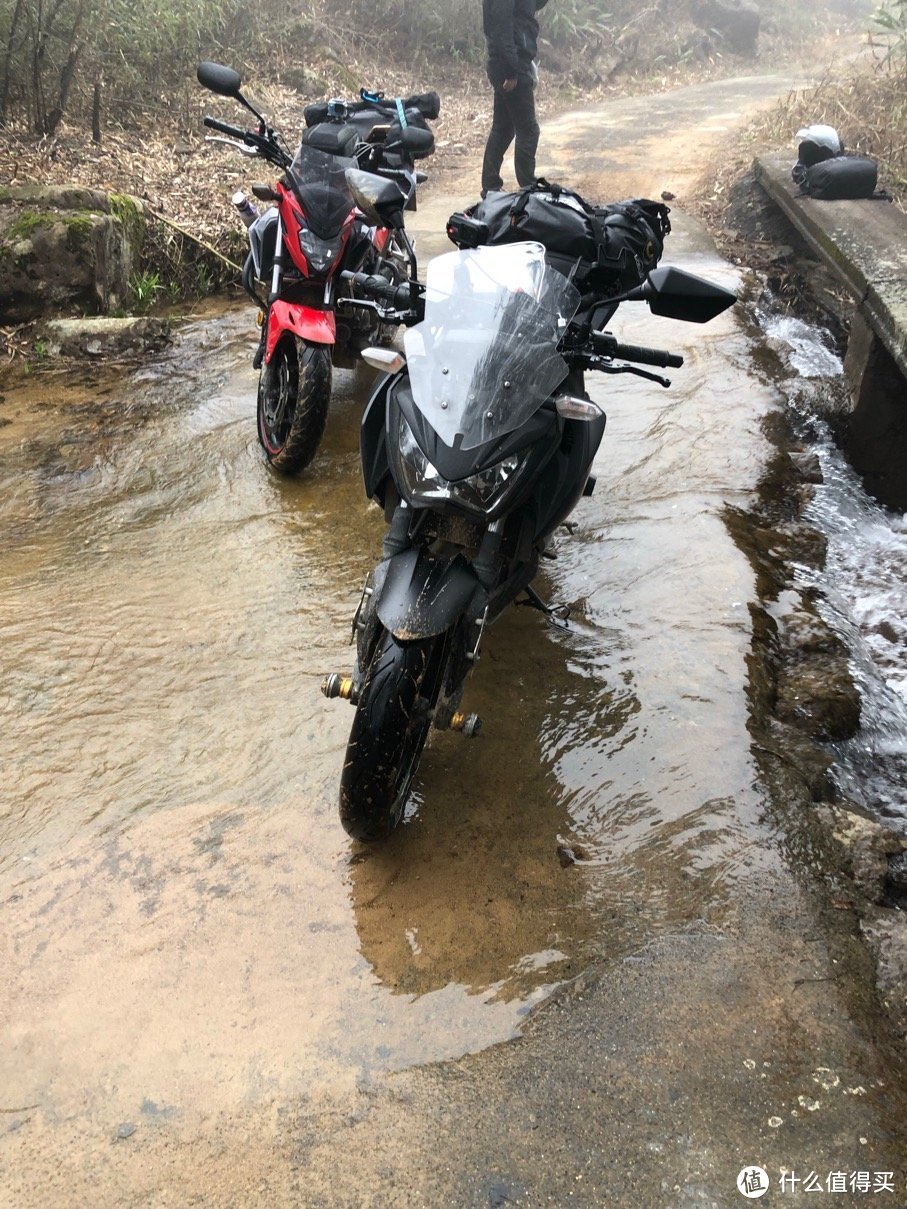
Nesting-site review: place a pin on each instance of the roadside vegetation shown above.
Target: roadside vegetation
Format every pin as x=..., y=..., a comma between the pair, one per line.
x=90, y=62
x=865, y=101
x=103, y=92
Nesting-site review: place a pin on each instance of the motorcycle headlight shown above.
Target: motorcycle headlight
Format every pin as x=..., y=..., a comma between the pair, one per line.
x=422, y=484
x=320, y=253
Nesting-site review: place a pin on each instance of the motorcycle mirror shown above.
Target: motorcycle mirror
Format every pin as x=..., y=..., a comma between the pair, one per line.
x=264, y=192
x=416, y=141
x=675, y=294
x=223, y=80
x=379, y=199
x=226, y=83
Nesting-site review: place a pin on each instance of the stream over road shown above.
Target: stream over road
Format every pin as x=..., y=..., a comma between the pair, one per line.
x=209, y=995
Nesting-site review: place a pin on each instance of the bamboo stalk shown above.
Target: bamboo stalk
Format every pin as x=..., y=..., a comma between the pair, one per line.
x=195, y=239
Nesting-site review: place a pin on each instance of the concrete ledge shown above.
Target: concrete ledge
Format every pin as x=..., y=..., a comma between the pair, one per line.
x=864, y=242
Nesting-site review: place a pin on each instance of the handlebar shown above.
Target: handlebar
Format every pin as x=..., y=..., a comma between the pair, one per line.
x=264, y=144
x=225, y=128
x=609, y=346
x=402, y=297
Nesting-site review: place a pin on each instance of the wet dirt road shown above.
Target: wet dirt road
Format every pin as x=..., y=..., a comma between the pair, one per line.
x=208, y=995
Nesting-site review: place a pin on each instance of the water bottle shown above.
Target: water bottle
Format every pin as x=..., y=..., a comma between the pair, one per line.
x=246, y=210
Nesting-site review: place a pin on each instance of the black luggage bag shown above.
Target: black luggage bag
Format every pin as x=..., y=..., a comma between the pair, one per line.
x=842, y=178
x=607, y=249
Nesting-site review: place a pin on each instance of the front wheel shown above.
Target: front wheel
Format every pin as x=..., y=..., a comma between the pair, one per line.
x=294, y=391
x=393, y=717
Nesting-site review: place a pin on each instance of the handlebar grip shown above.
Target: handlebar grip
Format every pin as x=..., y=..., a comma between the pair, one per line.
x=400, y=297
x=224, y=128
x=604, y=342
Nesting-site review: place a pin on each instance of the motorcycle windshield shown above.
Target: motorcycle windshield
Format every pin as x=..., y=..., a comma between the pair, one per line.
x=319, y=179
x=485, y=356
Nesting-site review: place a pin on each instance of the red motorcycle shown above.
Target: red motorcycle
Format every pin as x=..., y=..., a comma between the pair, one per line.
x=299, y=248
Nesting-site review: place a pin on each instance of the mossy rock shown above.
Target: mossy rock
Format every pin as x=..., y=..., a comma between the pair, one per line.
x=66, y=249
x=56, y=197
x=130, y=213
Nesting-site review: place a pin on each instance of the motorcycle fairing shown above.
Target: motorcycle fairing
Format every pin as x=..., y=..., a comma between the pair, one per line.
x=319, y=183
x=422, y=594
x=541, y=431
x=306, y=322
x=262, y=242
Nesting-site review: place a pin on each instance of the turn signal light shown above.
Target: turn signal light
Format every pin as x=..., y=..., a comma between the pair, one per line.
x=387, y=359
x=571, y=407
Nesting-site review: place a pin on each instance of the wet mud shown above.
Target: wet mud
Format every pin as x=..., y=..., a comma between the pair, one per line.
x=207, y=992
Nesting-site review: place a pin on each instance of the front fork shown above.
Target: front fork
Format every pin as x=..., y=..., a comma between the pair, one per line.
x=467, y=631
x=276, y=283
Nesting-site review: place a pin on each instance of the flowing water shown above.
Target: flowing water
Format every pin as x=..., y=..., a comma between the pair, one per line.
x=862, y=584
x=175, y=877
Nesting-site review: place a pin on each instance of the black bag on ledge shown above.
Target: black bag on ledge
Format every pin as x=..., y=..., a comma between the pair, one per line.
x=607, y=248
x=842, y=178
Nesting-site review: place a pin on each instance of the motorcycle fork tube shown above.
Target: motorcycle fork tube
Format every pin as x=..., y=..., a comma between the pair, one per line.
x=486, y=563
x=410, y=253
x=277, y=273
x=397, y=539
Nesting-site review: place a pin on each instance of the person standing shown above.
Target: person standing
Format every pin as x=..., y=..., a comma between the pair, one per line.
x=511, y=36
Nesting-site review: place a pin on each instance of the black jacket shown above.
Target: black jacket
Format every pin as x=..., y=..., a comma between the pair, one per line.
x=511, y=35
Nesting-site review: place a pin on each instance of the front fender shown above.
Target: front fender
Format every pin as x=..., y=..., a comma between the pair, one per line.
x=420, y=595
x=310, y=324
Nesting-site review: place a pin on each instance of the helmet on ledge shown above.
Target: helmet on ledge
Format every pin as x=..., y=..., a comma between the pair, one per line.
x=815, y=144
x=818, y=143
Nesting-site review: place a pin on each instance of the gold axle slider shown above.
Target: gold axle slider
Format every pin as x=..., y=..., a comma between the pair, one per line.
x=468, y=725
x=336, y=685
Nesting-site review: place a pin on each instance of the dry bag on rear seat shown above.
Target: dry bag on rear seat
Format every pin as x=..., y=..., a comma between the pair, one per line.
x=334, y=138
x=605, y=248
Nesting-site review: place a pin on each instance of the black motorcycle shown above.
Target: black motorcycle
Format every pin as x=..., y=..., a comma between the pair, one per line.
x=478, y=443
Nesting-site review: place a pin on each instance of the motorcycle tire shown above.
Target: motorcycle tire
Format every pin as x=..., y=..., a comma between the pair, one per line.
x=294, y=392
x=393, y=718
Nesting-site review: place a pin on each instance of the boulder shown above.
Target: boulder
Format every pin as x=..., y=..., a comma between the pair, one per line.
x=66, y=248
x=736, y=21
x=886, y=933
x=105, y=337
x=817, y=695
x=875, y=852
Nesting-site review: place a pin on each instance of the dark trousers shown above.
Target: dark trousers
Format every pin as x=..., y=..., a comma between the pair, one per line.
x=514, y=117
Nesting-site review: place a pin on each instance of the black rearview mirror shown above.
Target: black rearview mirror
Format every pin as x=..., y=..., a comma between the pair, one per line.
x=675, y=294
x=379, y=199
x=216, y=78
x=417, y=142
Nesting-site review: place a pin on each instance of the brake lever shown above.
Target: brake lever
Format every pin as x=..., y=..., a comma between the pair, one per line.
x=242, y=148
x=362, y=304
x=611, y=368
x=386, y=315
